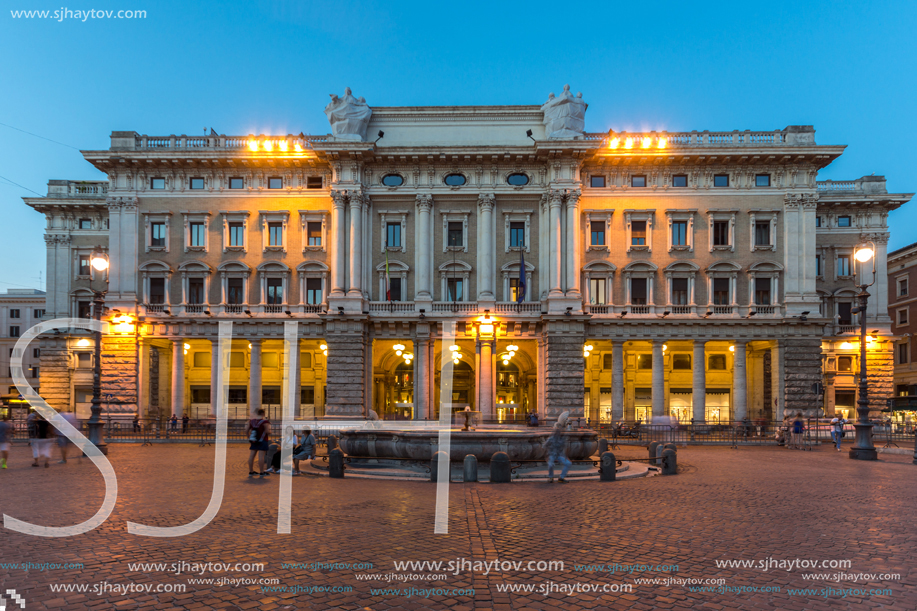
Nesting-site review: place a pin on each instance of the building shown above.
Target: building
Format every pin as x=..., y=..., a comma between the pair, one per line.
x=902, y=309
x=19, y=310
x=618, y=275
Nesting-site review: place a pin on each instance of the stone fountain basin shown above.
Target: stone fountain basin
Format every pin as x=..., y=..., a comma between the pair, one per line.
x=519, y=444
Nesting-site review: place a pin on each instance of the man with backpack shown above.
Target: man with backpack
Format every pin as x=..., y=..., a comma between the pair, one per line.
x=837, y=430
x=259, y=437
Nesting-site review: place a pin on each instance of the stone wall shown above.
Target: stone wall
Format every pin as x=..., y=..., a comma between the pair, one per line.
x=803, y=368
x=880, y=374
x=119, y=373
x=564, y=367
x=54, y=375
x=347, y=341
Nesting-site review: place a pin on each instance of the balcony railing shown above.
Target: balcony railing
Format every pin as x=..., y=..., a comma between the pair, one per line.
x=672, y=140
x=847, y=329
x=719, y=309
x=155, y=308
x=194, y=308
x=456, y=307
x=282, y=143
x=391, y=307
x=512, y=307
x=273, y=309
x=639, y=309
x=599, y=309
x=759, y=310
x=681, y=309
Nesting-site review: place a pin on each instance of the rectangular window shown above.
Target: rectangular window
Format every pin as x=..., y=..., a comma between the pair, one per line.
x=34, y=370
x=845, y=364
x=638, y=233
x=236, y=183
x=902, y=287
x=157, y=183
x=680, y=180
x=716, y=362
x=644, y=361
x=305, y=360
x=157, y=291
x=313, y=182
x=597, y=181
x=14, y=331
x=762, y=291
x=237, y=394
x=681, y=361
x=85, y=223
x=680, y=233
x=158, y=234
x=235, y=291
x=516, y=235
x=236, y=234
x=597, y=233
x=394, y=289
x=454, y=289
x=844, y=315
x=197, y=183
x=721, y=291
x=314, y=233
x=638, y=291
x=818, y=269
x=274, y=291
x=721, y=180
x=514, y=289
x=201, y=395
x=393, y=234
x=195, y=291
x=36, y=353
x=14, y=313
x=818, y=221
x=843, y=221
x=275, y=234
x=607, y=361
x=679, y=291
x=762, y=233
x=275, y=182
x=313, y=291
x=307, y=396
x=902, y=317
x=38, y=313
x=196, y=234
x=83, y=360
x=201, y=359
x=83, y=309
x=85, y=270
x=721, y=233
x=455, y=233
x=902, y=354
x=762, y=180
x=843, y=265
x=597, y=291
x=638, y=181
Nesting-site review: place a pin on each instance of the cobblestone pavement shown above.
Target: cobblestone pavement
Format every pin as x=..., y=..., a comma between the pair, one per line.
x=749, y=504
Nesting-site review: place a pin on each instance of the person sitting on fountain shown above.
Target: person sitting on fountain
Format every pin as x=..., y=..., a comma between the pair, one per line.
x=556, y=449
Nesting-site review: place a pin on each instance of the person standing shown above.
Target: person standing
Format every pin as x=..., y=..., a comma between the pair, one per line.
x=797, y=430
x=556, y=450
x=184, y=423
x=5, y=436
x=837, y=431
x=173, y=423
x=136, y=423
x=259, y=437
x=32, y=427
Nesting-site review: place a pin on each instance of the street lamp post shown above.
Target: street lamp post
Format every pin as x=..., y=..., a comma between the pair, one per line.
x=99, y=261
x=863, y=448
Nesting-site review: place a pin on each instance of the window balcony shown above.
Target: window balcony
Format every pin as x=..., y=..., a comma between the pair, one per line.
x=455, y=307
x=524, y=308
x=391, y=307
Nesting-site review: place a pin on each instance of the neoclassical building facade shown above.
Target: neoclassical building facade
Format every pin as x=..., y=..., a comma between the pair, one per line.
x=705, y=275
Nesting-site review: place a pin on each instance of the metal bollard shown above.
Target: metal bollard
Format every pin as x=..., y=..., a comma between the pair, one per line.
x=471, y=468
x=670, y=446
x=652, y=451
x=608, y=467
x=500, y=470
x=332, y=443
x=336, y=463
x=434, y=467
x=659, y=451
x=669, y=462
x=603, y=446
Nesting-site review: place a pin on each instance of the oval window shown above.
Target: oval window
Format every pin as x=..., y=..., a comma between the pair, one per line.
x=392, y=180
x=517, y=180
x=455, y=180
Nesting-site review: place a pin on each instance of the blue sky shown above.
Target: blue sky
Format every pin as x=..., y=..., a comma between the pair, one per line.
x=267, y=67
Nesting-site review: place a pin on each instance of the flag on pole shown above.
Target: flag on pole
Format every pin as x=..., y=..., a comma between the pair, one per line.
x=520, y=292
x=388, y=282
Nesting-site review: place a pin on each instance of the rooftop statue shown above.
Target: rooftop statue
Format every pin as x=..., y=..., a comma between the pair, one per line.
x=565, y=115
x=348, y=116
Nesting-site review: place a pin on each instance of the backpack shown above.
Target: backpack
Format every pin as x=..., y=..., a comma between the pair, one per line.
x=255, y=434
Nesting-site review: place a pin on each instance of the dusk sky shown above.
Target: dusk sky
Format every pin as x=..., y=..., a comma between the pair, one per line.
x=267, y=67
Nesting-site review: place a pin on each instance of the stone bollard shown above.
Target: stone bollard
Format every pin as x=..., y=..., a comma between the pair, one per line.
x=670, y=446
x=659, y=451
x=603, y=446
x=471, y=468
x=332, y=443
x=652, y=450
x=336, y=463
x=608, y=468
x=500, y=471
x=434, y=467
x=669, y=462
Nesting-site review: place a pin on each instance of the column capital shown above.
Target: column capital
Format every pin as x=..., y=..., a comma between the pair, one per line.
x=337, y=198
x=555, y=198
x=486, y=201
x=255, y=341
x=424, y=202
x=573, y=197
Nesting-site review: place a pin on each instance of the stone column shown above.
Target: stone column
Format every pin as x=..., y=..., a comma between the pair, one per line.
x=178, y=377
x=740, y=381
x=356, y=246
x=297, y=387
x=699, y=388
x=340, y=244
x=556, y=244
x=214, y=376
x=617, y=380
x=486, y=237
x=777, y=380
x=487, y=381
x=573, y=255
x=143, y=382
x=540, y=390
x=254, y=377
x=658, y=379
x=424, y=253
x=421, y=377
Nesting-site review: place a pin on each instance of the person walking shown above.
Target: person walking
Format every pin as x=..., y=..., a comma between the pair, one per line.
x=136, y=423
x=797, y=429
x=6, y=433
x=259, y=437
x=306, y=450
x=44, y=433
x=556, y=450
x=32, y=427
x=63, y=442
x=837, y=431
